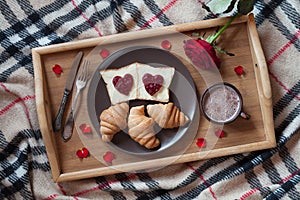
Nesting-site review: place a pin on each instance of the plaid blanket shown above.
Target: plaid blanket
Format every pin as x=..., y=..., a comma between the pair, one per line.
x=24, y=168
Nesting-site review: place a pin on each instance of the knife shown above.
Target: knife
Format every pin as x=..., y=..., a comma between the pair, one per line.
x=57, y=124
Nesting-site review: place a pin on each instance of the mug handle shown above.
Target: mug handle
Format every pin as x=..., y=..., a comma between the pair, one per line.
x=245, y=115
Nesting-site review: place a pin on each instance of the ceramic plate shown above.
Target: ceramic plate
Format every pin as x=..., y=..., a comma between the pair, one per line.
x=182, y=94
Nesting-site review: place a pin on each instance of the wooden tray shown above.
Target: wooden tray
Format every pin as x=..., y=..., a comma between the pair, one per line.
x=240, y=38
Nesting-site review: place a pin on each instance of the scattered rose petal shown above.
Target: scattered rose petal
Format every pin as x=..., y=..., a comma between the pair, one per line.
x=109, y=157
x=85, y=128
x=201, y=142
x=82, y=152
x=220, y=133
x=166, y=44
x=239, y=70
x=57, y=69
x=104, y=53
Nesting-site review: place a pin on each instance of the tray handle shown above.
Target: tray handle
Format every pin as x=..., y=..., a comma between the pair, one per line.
x=261, y=61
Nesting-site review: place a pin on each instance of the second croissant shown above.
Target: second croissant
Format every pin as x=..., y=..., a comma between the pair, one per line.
x=167, y=115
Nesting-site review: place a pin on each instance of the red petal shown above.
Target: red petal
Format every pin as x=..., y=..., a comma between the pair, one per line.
x=85, y=152
x=208, y=47
x=57, y=69
x=201, y=142
x=108, y=157
x=87, y=129
x=104, y=53
x=220, y=133
x=166, y=44
x=82, y=127
x=82, y=152
x=239, y=70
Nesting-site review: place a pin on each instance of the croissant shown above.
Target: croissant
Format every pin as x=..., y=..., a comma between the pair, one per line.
x=167, y=115
x=112, y=120
x=141, y=128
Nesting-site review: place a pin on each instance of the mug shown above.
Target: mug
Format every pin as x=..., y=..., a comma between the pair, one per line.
x=222, y=103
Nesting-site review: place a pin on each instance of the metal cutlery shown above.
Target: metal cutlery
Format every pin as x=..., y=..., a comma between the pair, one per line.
x=80, y=84
x=57, y=124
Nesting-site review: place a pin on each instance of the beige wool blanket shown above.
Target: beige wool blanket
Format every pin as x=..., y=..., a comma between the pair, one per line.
x=24, y=167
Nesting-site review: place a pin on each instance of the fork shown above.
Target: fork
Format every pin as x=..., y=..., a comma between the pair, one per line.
x=80, y=84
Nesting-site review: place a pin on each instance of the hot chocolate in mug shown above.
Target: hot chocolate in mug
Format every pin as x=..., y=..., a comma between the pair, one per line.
x=222, y=103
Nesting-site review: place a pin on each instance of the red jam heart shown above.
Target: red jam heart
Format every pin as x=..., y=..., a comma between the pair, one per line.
x=123, y=85
x=152, y=83
x=82, y=152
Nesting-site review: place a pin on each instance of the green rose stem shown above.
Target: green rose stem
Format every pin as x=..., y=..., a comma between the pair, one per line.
x=213, y=38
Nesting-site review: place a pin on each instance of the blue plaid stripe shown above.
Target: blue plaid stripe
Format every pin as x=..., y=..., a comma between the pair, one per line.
x=292, y=14
x=154, y=187
x=271, y=171
x=231, y=171
x=158, y=12
x=15, y=165
x=101, y=180
x=19, y=29
x=254, y=182
x=267, y=12
x=286, y=188
x=136, y=15
x=118, y=22
x=286, y=100
x=102, y=14
x=294, y=113
x=128, y=185
x=242, y=165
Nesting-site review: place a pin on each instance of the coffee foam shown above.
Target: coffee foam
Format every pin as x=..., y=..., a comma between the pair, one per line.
x=222, y=104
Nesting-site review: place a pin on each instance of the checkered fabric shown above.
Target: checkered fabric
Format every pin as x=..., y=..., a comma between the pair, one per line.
x=24, y=168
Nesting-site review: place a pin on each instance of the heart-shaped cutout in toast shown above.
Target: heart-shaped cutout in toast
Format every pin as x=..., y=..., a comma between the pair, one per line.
x=123, y=84
x=152, y=83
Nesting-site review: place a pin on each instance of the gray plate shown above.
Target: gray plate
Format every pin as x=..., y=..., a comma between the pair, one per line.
x=182, y=93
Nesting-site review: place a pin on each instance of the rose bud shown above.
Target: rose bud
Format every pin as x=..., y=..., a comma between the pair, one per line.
x=201, y=53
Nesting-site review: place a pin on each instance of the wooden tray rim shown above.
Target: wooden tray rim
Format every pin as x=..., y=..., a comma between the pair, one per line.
x=261, y=72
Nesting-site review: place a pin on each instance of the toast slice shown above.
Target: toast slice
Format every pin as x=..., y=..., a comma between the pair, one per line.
x=166, y=75
x=117, y=96
x=142, y=78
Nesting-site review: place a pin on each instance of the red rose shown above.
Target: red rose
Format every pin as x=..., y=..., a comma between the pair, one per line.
x=201, y=53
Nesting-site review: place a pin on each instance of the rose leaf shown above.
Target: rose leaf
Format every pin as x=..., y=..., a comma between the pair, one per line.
x=245, y=6
x=220, y=6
